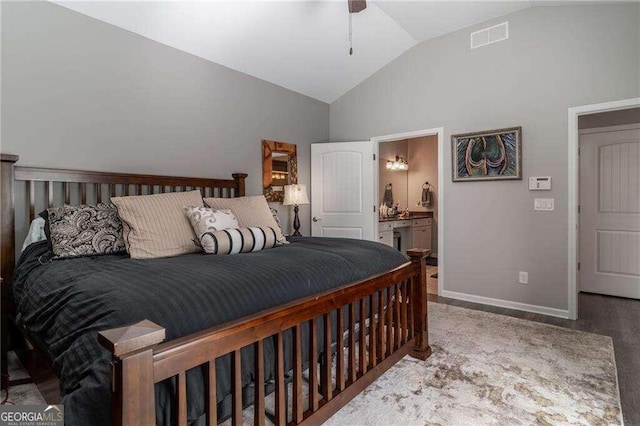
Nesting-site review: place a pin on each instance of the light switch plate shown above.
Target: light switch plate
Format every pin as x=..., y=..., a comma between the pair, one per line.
x=523, y=277
x=540, y=183
x=543, y=204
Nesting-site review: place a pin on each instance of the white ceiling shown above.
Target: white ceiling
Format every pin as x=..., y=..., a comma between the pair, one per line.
x=427, y=20
x=300, y=45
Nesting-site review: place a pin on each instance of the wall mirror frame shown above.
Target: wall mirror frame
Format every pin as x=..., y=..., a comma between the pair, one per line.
x=279, y=168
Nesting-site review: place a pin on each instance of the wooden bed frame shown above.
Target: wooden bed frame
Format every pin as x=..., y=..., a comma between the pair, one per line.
x=397, y=320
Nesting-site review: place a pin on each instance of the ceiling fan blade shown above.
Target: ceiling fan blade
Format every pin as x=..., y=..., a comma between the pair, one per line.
x=356, y=6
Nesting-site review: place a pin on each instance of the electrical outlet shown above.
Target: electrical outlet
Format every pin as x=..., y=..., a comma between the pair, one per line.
x=523, y=277
x=543, y=204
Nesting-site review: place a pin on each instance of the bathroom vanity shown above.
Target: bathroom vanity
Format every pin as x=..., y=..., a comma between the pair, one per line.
x=404, y=234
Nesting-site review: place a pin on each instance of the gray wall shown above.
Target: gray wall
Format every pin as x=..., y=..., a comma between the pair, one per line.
x=556, y=57
x=82, y=94
x=397, y=178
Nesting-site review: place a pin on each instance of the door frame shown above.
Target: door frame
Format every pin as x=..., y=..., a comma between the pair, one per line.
x=436, y=131
x=574, y=189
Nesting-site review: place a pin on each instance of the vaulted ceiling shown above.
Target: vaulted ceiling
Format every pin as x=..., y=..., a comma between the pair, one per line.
x=299, y=45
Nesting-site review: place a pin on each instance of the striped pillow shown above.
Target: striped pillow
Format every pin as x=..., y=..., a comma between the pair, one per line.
x=155, y=225
x=239, y=240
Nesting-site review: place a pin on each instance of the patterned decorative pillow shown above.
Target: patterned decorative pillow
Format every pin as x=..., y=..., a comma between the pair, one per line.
x=85, y=230
x=205, y=219
x=239, y=240
x=274, y=213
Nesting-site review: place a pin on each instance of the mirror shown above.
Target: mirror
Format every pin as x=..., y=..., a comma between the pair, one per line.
x=279, y=168
x=393, y=178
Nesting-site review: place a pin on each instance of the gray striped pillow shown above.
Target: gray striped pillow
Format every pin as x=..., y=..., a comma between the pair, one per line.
x=239, y=240
x=155, y=225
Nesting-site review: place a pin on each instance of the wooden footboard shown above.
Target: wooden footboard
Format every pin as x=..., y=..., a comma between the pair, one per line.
x=395, y=325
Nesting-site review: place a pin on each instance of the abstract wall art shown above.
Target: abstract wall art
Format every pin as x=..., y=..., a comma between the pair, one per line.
x=490, y=155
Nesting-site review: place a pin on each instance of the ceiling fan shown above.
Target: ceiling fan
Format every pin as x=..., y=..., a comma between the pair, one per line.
x=355, y=6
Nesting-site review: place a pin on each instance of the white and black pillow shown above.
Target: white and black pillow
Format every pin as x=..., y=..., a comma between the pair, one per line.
x=85, y=230
x=206, y=219
x=239, y=240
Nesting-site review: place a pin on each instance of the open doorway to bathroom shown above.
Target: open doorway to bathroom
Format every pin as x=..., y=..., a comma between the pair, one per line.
x=409, y=197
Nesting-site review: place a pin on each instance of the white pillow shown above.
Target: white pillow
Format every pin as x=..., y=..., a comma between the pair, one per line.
x=206, y=221
x=36, y=233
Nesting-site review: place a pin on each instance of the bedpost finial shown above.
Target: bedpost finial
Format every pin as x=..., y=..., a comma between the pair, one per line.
x=9, y=158
x=132, y=338
x=417, y=254
x=240, y=184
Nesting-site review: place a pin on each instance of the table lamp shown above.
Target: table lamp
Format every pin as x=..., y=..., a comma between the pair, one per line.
x=295, y=195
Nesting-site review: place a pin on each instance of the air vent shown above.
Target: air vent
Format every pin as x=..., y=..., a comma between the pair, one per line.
x=490, y=35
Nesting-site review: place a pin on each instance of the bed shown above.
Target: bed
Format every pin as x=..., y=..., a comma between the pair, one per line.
x=202, y=337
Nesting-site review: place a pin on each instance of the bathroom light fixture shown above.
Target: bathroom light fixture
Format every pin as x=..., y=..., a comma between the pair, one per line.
x=399, y=164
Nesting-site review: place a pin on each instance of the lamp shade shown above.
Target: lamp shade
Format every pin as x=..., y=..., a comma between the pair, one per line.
x=295, y=195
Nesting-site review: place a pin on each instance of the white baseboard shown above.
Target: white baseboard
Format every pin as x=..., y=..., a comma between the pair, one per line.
x=544, y=310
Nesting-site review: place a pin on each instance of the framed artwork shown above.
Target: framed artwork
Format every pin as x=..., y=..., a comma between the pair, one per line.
x=491, y=155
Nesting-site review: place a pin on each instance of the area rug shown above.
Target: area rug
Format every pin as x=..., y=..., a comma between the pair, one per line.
x=486, y=369
x=489, y=369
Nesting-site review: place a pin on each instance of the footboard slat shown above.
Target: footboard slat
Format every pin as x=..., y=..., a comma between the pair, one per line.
x=327, y=382
x=340, y=351
x=380, y=326
x=281, y=408
x=258, y=405
x=313, y=365
x=397, y=329
x=403, y=313
x=236, y=398
x=373, y=349
x=362, y=339
x=181, y=400
x=391, y=322
x=298, y=406
x=352, y=342
x=389, y=318
x=412, y=327
x=211, y=397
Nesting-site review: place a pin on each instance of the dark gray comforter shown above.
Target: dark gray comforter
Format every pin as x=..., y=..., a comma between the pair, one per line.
x=64, y=303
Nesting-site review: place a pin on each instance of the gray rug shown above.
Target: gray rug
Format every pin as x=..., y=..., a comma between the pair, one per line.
x=486, y=369
x=489, y=369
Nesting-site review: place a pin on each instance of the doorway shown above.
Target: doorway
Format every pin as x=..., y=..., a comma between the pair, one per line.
x=604, y=213
x=409, y=181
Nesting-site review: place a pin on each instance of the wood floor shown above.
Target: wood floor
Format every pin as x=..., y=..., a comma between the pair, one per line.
x=432, y=283
x=616, y=317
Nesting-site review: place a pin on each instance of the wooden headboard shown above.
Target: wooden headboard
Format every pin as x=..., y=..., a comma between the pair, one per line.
x=48, y=187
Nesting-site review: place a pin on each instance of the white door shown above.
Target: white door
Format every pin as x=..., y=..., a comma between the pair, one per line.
x=610, y=212
x=342, y=190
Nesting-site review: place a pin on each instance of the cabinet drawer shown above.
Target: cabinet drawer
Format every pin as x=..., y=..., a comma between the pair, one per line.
x=386, y=237
x=421, y=222
x=385, y=226
x=402, y=224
